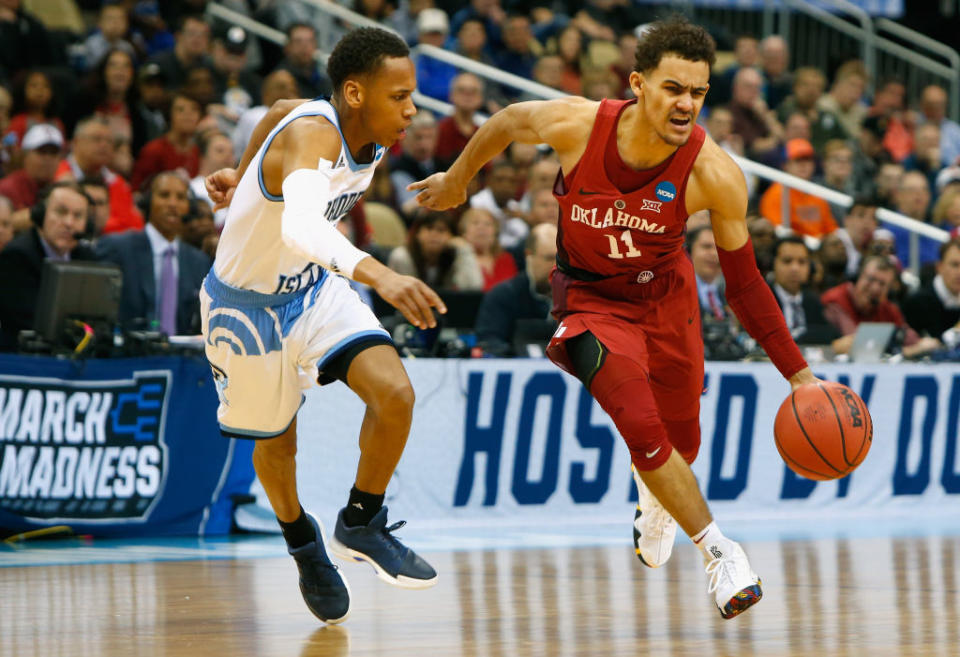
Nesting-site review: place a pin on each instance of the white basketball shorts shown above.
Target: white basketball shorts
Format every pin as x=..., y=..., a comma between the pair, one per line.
x=264, y=349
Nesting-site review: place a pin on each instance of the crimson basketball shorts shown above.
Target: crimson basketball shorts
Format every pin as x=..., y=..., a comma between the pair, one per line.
x=653, y=320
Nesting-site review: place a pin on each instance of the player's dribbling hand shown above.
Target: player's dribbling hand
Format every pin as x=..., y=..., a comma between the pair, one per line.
x=221, y=186
x=802, y=377
x=412, y=297
x=439, y=192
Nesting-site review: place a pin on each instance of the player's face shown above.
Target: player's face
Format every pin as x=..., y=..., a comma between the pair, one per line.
x=671, y=96
x=387, y=104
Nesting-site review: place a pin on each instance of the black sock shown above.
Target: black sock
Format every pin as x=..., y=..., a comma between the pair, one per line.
x=299, y=532
x=361, y=507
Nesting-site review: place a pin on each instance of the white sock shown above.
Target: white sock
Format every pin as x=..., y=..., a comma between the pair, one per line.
x=709, y=535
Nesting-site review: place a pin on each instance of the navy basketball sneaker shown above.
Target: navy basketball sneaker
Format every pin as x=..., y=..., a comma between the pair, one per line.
x=375, y=543
x=324, y=590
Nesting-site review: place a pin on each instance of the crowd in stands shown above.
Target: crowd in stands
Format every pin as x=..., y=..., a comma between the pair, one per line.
x=113, y=111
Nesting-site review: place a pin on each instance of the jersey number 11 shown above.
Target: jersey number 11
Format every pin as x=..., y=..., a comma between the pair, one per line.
x=627, y=239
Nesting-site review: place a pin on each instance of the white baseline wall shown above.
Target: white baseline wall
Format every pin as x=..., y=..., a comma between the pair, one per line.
x=519, y=441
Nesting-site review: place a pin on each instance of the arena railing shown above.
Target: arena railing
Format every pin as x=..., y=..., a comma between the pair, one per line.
x=817, y=32
x=915, y=38
x=915, y=227
x=276, y=36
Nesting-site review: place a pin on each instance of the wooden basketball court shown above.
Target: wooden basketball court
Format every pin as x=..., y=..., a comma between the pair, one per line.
x=834, y=596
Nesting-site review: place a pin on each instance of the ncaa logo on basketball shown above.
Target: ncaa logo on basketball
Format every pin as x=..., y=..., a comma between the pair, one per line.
x=76, y=451
x=666, y=192
x=652, y=206
x=856, y=418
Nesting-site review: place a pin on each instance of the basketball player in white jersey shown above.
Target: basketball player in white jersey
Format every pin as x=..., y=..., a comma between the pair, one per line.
x=277, y=312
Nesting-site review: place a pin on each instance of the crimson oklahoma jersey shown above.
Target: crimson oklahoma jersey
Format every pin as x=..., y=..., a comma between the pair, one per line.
x=615, y=220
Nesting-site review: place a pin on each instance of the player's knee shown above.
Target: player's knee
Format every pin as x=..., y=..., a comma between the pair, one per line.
x=684, y=435
x=393, y=400
x=270, y=452
x=641, y=428
x=646, y=439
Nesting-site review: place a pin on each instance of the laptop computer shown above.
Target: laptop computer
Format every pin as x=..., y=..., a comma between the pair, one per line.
x=870, y=341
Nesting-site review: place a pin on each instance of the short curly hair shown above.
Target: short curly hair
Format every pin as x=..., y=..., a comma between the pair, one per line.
x=676, y=36
x=361, y=51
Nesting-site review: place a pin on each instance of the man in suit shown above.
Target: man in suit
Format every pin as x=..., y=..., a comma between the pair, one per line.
x=162, y=274
x=59, y=221
x=721, y=331
x=526, y=296
x=801, y=307
x=706, y=266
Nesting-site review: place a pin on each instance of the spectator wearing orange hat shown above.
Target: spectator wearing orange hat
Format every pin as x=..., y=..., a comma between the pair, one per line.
x=809, y=215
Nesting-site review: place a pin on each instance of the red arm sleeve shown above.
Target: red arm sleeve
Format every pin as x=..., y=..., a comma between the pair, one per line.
x=753, y=302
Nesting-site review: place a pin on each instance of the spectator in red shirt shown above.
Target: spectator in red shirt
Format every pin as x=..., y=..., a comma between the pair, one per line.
x=847, y=305
x=454, y=131
x=177, y=149
x=42, y=146
x=888, y=105
x=92, y=152
x=482, y=232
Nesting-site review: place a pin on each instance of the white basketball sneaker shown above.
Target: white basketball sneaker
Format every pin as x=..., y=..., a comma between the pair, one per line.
x=733, y=583
x=654, y=529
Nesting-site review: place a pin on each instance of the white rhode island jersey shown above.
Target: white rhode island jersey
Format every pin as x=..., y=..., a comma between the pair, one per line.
x=251, y=254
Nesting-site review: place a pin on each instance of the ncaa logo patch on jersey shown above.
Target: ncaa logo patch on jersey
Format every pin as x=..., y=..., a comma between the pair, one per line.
x=666, y=192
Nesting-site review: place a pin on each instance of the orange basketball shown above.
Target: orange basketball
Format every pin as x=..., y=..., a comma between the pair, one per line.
x=823, y=430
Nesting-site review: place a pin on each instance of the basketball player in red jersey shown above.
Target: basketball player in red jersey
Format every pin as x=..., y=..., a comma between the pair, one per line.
x=624, y=290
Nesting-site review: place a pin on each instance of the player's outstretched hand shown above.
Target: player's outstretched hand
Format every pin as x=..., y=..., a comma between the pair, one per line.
x=220, y=186
x=439, y=192
x=412, y=297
